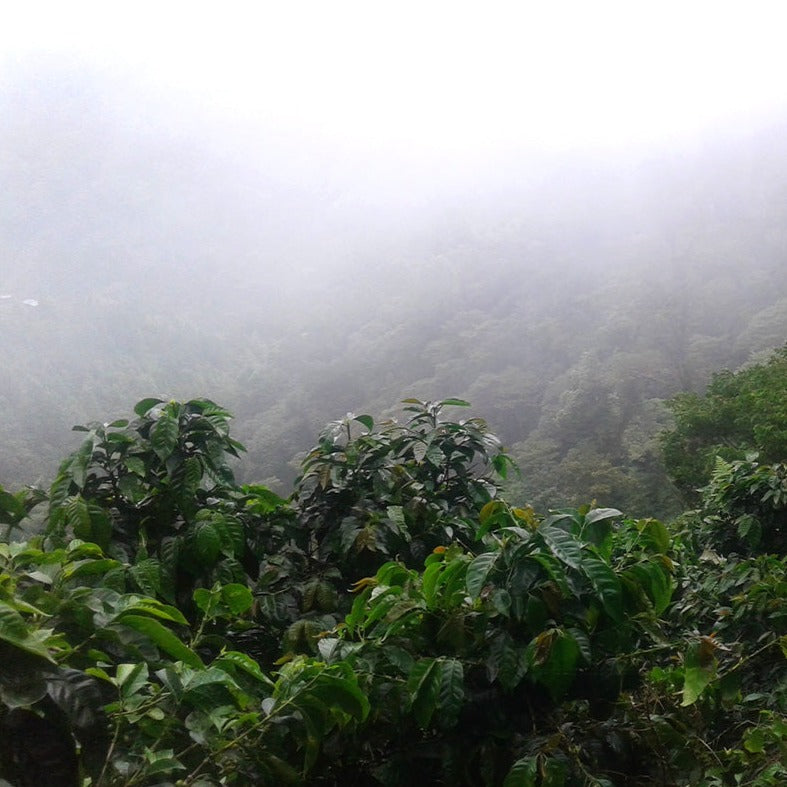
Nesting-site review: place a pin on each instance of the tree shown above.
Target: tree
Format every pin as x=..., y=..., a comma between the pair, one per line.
x=739, y=413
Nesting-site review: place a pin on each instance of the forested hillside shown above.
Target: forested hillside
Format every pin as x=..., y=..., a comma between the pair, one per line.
x=396, y=620
x=565, y=297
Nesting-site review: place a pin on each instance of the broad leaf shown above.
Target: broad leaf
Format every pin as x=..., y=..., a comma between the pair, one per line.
x=237, y=597
x=563, y=545
x=478, y=571
x=555, y=655
x=699, y=669
x=599, y=514
x=606, y=584
x=366, y=420
x=162, y=637
x=454, y=403
x=142, y=407
x=423, y=686
x=452, y=691
x=164, y=436
x=207, y=542
x=524, y=773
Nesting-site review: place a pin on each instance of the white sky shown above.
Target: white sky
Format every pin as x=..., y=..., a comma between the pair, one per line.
x=433, y=74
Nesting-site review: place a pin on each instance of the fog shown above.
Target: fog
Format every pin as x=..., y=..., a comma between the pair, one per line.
x=303, y=211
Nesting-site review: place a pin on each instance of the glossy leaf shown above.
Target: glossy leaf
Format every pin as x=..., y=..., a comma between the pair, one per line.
x=563, y=545
x=423, y=686
x=162, y=637
x=606, y=584
x=451, y=692
x=164, y=436
x=523, y=773
x=478, y=571
x=142, y=407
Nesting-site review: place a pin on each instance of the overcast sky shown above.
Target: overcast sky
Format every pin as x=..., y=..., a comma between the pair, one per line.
x=432, y=77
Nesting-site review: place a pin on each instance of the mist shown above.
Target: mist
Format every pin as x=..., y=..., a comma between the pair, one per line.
x=307, y=216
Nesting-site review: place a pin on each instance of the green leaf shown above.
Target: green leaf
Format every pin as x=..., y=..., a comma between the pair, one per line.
x=237, y=597
x=655, y=532
x=524, y=773
x=142, y=407
x=563, y=546
x=342, y=693
x=423, y=686
x=77, y=467
x=695, y=679
x=754, y=740
x=452, y=691
x=207, y=542
x=89, y=567
x=454, y=403
x=162, y=637
x=14, y=630
x=606, y=584
x=366, y=420
x=555, y=655
x=78, y=516
x=490, y=509
x=162, y=761
x=659, y=586
x=478, y=571
x=132, y=488
x=135, y=465
x=599, y=514
x=699, y=669
x=237, y=660
x=147, y=574
x=506, y=662
x=397, y=519
x=151, y=606
x=429, y=582
x=164, y=436
x=130, y=678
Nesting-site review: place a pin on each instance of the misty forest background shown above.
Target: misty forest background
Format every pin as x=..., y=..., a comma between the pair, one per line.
x=566, y=297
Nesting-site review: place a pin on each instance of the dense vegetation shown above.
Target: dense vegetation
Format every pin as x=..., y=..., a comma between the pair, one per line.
x=397, y=619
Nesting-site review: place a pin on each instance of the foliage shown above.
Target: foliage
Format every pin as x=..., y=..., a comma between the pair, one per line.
x=157, y=492
x=744, y=508
x=126, y=674
x=15, y=508
x=739, y=413
x=396, y=616
x=485, y=650
x=398, y=490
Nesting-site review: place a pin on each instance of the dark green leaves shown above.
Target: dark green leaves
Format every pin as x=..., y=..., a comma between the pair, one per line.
x=478, y=571
x=164, y=436
x=163, y=637
x=143, y=407
x=523, y=773
x=454, y=403
x=366, y=420
x=554, y=655
x=563, y=545
x=606, y=584
x=207, y=542
x=15, y=631
x=436, y=686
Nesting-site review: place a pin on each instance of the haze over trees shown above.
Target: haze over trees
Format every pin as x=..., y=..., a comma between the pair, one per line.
x=565, y=297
